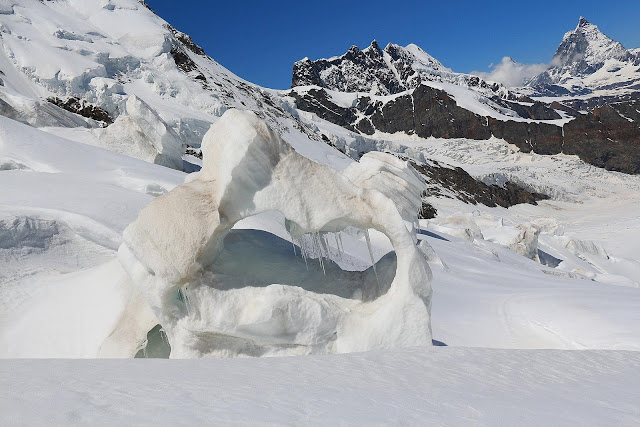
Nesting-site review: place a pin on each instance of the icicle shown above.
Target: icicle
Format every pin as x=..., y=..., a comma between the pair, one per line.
x=373, y=264
x=182, y=296
x=303, y=250
x=340, y=245
x=339, y=254
x=325, y=244
x=316, y=239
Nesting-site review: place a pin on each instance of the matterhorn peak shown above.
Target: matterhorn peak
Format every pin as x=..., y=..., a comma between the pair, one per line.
x=587, y=43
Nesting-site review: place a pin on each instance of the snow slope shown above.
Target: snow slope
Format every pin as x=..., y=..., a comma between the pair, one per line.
x=438, y=385
x=104, y=52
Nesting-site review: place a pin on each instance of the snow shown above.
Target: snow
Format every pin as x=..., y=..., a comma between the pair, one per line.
x=436, y=385
x=72, y=201
x=487, y=296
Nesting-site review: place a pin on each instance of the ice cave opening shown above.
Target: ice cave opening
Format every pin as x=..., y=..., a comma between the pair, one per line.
x=315, y=262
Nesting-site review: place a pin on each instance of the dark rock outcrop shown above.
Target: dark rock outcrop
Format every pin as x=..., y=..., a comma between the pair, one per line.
x=319, y=102
x=457, y=182
x=186, y=40
x=607, y=137
x=356, y=70
x=83, y=108
x=537, y=111
x=437, y=114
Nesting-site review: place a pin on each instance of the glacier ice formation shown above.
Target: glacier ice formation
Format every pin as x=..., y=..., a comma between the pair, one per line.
x=140, y=132
x=188, y=264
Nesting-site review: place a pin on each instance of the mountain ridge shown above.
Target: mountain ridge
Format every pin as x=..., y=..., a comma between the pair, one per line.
x=387, y=71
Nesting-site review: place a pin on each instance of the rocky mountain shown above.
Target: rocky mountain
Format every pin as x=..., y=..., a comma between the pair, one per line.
x=377, y=93
x=387, y=71
x=589, y=63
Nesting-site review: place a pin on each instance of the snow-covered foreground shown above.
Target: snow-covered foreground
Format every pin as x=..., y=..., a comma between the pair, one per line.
x=64, y=206
x=436, y=385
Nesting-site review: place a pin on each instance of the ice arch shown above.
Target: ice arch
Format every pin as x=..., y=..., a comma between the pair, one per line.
x=170, y=250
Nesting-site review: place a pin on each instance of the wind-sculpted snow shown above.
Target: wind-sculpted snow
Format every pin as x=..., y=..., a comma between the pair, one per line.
x=172, y=252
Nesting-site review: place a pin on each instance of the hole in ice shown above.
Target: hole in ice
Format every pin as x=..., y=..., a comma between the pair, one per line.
x=254, y=258
x=431, y=234
x=548, y=260
x=10, y=165
x=155, y=190
x=156, y=346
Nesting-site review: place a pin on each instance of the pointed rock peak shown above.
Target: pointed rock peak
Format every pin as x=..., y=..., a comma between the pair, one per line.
x=374, y=45
x=583, y=22
x=588, y=44
x=354, y=48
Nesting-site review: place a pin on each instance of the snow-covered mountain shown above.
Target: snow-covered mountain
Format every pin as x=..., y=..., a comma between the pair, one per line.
x=387, y=71
x=74, y=64
x=589, y=63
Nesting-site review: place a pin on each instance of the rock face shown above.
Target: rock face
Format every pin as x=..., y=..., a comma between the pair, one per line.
x=89, y=111
x=458, y=183
x=185, y=269
x=606, y=137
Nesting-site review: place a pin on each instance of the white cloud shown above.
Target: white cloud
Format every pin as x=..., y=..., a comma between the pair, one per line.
x=511, y=73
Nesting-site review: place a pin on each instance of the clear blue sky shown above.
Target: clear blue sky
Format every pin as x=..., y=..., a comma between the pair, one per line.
x=260, y=40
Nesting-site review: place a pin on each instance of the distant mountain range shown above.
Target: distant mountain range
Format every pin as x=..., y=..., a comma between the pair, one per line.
x=585, y=103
